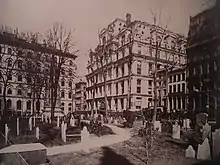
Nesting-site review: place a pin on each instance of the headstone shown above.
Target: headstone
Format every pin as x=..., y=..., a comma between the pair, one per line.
x=64, y=132
x=49, y=120
x=6, y=134
x=157, y=126
x=34, y=121
x=190, y=152
x=18, y=131
x=58, y=121
x=72, y=122
x=216, y=143
x=37, y=133
x=30, y=123
x=85, y=139
x=188, y=123
x=204, y=150
x=176, y=131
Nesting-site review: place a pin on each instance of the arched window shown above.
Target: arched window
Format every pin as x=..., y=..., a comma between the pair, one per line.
x=18, y=105
x=62, y=94
x=38, y=106
x=70, y=84
x=19, y=64
x=9, y=104
x=28, y=105
x=9, y=91
x=19, y=92
x=70, y=95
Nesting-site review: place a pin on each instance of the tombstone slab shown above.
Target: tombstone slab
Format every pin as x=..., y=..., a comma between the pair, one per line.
x=204, y=150
x=190, y=152
x=216, y=143
x=176, y=132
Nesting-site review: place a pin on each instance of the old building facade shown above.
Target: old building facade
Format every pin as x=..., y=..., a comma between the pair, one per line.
x=203, y=63
x=26, y=68
x=130, y=50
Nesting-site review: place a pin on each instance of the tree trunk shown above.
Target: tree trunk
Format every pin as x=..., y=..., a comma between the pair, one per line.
x=129, y=85
x=4, y=99
x=105, y=94
x=155, y=87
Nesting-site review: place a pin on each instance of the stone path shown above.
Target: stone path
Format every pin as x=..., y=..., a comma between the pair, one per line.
x=121, y=135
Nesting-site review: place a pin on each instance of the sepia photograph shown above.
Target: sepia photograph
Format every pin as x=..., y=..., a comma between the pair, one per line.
x=109, y=82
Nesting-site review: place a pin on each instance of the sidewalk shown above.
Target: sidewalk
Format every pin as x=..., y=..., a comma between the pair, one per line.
x=95, y=142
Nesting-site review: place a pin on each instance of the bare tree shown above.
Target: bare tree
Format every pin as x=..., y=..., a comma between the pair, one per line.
x=59, y=39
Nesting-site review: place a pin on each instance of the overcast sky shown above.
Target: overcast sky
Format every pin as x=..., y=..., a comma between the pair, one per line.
x=87, y=16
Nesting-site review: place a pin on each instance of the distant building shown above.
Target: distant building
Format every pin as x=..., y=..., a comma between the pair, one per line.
x=28, y=90
x=80, y=96
x=203, y=64
x=130, y=48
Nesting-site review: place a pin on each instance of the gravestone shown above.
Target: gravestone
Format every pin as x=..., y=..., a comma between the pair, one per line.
x=37, y=133
x=64, y=132
x=190, y=152
x=204, y=151
x=72, y=121
x=157, y=126
x=216, y=143
x=6, y=134
x=176, y=131
x=85, y=139
x=18, y=131
x=34, y=121
x=30, y=123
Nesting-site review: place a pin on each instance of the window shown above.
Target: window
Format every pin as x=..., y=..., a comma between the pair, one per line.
x=179, y=77
x=28, y=106
x=170, y=79
x=19, y=77
x=150, y=83
x=9, y=76
x=9, y=104
x=71, y=62
x=70, y=84
x=19, y=64
x=122, y=103
x=62, y=83
x=179, y=103
x=139, y=49
x=116, y=88
x=117, y=56
x=9, y=51
x=138, y=81
x=174, y=88
x=150, y=67
x=9, y=62
x=62, y=106
x=178, y=86
x=183, y=87
x=139, y=68
x=62, y=94
x=9, y=91
x=29, y=94
x=18, y=105
x=116, y=71
x=138, y=89
x=122, y=70
x=29, y=79
x=62, y=71
x=19, y=92
x=122, y=87
x=138, y=102
x=170, y=88
x=70, y=95
x=183, y=77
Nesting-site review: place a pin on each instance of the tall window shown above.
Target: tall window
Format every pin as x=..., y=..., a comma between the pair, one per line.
x=122, y=87
x=28, y=105
x=183, y=77
x=62, y=94
x=62, y=83
x=122, y=70
x=174, y=78
x=138, y=89
x=18, y=105
x=170, y=88
x=139, y=68
x=179, y=102
x=174, y=88
x=150, y=83
x=9, y=104
x=122, y=103
x=183, y=87
x=138, y=81
x=70, y=95
x=9, y=51
x=19, y=77
x=9, y=91
x=179, y=77
x=19, y=64
x=178, y=87
x=62, y=106
x=170, y=79
x=9, y=76
x=116, y=88
x=138, y=102
x=70, y=84
x=19, y=92
x=116, y=71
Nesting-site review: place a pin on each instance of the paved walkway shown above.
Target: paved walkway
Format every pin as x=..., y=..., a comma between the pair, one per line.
x=121, y=135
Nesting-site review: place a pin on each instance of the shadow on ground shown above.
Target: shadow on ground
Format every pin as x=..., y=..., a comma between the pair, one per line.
x=209, y=162
x=110, y=158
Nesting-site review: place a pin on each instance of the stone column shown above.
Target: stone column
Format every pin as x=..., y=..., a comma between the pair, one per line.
x=18, y=131
x=30, y=123
x=37, y=133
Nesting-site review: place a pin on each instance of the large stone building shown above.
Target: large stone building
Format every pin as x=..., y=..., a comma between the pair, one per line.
x=203, y=54
x=25, y=70
x=129, y=48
